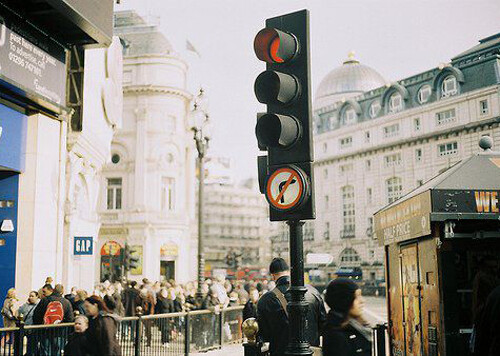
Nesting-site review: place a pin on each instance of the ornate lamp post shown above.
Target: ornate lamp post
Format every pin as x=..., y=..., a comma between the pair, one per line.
x=200, y=125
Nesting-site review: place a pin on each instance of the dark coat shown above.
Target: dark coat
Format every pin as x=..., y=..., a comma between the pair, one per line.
x=41, y=308
x=273, y=322
x=79, y=307
x=164, y=305
x=249, y=310
x=131, y=300
x=343, y=341
x=487, y=329
x=102, y=333
x=77, y=345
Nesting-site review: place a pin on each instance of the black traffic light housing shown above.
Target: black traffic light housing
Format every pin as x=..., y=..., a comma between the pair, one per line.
x=285, y=130
x=129, y=260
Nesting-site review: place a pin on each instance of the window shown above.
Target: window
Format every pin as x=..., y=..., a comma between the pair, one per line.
x=374, y=109
x=424, y=94
x=391, y=131
x=114, y=196
x=345, y=142
x=394, y=188
x=483, y=107
x=449, y=86
x=446, y=117
x=369, y=196
x=448, y=149
x=395, y=103
x=416, y=124
x=349, y=116
x=345, y=168
x=115, y=158
x=349, y=258
x=392, y=160
x=368, y=164
x=418, y=155
x=326, y=234
x=367, y=136
x=167, y=194
x=348, y=210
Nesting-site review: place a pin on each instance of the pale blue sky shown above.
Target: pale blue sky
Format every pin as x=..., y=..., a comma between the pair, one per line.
x=398, y=38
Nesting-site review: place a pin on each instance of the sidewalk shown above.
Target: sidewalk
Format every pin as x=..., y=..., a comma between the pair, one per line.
x=230, y=350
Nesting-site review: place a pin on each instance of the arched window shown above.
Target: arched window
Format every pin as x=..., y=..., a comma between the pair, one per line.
x=349, y=258
x=394, y=188
x=349, y=116
x=424, y=93
x=348, y=212
x=374, y=109
x=449, y=87
x=395, y=102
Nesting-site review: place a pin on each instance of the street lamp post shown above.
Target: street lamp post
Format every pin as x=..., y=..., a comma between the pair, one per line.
x=200, y=128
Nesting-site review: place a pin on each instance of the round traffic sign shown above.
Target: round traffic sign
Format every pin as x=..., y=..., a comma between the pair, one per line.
x=286, y=188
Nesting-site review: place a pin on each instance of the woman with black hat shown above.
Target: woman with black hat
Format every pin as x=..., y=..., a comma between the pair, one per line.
x=345, y=332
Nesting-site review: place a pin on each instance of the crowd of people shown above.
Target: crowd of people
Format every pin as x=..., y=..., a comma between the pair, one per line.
x=97, y=314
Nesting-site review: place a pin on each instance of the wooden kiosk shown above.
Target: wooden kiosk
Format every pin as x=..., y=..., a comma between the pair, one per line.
x=437, y=239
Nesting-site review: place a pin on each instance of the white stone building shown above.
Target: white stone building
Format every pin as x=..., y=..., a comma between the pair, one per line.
x=376, y=141
x=148, y=187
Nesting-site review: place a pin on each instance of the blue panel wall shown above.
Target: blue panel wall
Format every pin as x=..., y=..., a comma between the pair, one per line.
x=9, y=188
x=13, y=126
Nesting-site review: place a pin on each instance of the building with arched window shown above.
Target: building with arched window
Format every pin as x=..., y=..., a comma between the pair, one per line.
x=376, y=141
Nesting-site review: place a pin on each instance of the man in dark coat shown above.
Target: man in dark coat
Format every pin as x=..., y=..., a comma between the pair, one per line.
x=131, y=299
x=487, y=331
x=271, y=315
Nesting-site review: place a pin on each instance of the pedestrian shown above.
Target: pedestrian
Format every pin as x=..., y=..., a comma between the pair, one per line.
x=148, y=308
x=250, y=308
x=345, y=332
x=131, y=299
x=102, y=328
x=80, y=297
x=272, y=314
x=9, y=314
x=26, y=312
x=487, y=341
x=54, y=308
x=164, y=305
x=78, y=343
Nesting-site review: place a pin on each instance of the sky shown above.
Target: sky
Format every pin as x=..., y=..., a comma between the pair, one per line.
x=398, y=38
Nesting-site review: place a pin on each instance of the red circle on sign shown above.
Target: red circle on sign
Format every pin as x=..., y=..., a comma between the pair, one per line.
x=274, y=202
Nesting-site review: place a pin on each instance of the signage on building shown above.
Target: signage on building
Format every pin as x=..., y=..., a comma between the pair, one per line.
x=111, y=248
x=26, y=63
x=13, y=126
x=407, y=220
x=466, y=201
x=83, y=246
x=169, y=249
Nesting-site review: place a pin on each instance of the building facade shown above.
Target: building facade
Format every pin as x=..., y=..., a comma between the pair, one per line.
x=148, y=187
x=375, y=141
x=236, y=221
x=36, y=118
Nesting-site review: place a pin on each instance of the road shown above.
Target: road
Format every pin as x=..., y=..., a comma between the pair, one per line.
x=375, y=313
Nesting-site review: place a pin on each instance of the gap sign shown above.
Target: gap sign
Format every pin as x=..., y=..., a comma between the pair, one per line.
x=83, y=246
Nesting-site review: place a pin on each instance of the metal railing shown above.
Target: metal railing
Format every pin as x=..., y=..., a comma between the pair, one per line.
x=149, y=335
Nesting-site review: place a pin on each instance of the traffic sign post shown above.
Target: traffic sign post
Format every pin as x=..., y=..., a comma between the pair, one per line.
x=285, y=132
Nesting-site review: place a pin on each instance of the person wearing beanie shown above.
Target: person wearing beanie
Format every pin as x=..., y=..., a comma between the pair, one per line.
x=272, y=313
x=345, y=332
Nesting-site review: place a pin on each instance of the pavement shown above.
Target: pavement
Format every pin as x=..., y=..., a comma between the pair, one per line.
x=230, y=350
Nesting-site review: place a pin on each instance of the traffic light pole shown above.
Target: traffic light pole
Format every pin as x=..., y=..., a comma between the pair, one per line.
x=297, y=308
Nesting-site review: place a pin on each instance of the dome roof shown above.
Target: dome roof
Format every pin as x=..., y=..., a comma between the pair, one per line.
x=348, y=80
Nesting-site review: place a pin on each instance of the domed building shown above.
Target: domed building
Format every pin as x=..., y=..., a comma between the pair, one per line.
x=375, y=141
x=342, y=83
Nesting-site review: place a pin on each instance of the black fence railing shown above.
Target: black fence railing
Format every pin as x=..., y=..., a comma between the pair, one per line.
x=162, y=334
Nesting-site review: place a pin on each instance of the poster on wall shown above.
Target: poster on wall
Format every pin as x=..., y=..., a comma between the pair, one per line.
x=136, y=251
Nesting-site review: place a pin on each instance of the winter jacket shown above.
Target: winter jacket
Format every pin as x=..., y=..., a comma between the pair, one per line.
x=249, y=310
x=102, y=333
x=41, y=308
x=131, y=300
x=164, y=305
x=487, y=333
x=273, y=321
x=78, y=345
x=10, y=312
x=343, y=340
x=27, y=310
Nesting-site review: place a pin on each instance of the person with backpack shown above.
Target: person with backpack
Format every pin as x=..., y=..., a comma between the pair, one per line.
x=272, y=314
x=54, y=308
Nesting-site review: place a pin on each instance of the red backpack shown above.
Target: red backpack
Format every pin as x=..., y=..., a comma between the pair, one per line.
x=54, y=313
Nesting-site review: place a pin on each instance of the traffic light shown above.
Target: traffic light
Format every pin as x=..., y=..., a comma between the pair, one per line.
x=229, y=259
x=285, y=129
x=129, y=260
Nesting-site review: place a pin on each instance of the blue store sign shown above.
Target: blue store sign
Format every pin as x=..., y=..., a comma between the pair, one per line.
x=83, y=246
x=13, y=126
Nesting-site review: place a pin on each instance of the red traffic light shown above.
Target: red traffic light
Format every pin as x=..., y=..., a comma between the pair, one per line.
x=274, y=46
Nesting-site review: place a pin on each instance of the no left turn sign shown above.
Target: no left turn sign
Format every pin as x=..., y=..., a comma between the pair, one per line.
x=286, y=188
